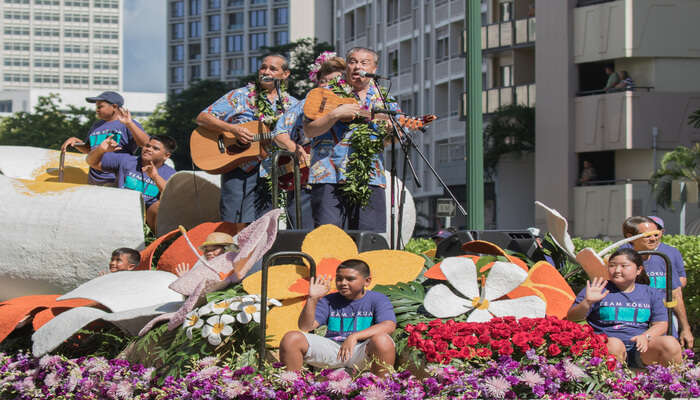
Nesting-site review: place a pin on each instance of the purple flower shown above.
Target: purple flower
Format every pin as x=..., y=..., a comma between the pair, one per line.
x=595, y=361
x=496, y=387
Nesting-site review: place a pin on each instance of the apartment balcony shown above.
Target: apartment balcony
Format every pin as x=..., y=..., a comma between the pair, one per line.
x=639, y=28
x=507, y=34
x=624, y=120
x=492, y=99
x=600, y=210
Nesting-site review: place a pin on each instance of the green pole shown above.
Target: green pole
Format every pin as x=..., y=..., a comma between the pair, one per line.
x=475, y=138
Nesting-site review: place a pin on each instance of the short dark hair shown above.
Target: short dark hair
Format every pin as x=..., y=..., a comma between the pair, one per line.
x=631, y=225
x=134, y=255
x=358, y=265
x=637, y=259
x=168, y=142
x=285, y=62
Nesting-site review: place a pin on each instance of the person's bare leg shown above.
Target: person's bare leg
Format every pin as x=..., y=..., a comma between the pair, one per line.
x=382, y=353
x=617, y=348
x=662, y=350
x=293, y=347
x=152, y=215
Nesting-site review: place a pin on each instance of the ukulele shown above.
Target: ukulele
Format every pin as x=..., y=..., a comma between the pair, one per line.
x=220, y=152
x=321, y=101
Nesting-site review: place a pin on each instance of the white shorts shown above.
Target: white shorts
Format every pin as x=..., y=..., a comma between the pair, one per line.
x=323, y=353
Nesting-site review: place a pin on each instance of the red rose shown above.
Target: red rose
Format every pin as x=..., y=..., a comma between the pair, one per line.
x=484, y=352
x=431, y=356
x=441, y=346
x=611, y=363
x=506, y=350
x=421, y=327
x=459, y=341
x=576, y=349
x=537, y=341
x=484, y=339
x=435, y=323
x=471, y=340
x=467, y=352
x=553, y=350
x=520, y=339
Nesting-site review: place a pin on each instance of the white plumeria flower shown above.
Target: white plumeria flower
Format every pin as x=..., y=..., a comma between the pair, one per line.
x=217, y=326
x=502, y=278
x=192, y=321
x=221, y=306
x=207, y=309
x=248, y=310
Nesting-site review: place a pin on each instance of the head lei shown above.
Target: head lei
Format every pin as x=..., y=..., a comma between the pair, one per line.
x=323, y=57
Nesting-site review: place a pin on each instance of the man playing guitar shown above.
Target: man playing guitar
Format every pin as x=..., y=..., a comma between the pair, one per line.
x=244, y=196
x=331, y=151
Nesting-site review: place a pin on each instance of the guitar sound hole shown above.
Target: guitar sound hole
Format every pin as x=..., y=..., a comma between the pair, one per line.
x=237, y=147
x=323, y=105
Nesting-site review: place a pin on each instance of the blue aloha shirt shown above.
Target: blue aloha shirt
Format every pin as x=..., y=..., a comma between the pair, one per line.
x=330, y=152
x=235, y=107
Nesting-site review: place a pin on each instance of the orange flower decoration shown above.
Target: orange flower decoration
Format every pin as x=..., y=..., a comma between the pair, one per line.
x=328, y=245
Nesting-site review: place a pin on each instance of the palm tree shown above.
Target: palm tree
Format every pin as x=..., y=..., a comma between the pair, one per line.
x=682, y=164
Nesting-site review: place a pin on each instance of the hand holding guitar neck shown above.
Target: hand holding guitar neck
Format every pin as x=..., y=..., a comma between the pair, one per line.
x=243, y=135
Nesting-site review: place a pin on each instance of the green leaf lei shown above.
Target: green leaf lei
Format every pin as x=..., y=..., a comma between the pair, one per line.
x=359, y=168
x=262, y=108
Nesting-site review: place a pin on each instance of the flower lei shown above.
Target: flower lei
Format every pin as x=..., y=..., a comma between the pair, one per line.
x=323, y=57
x=359, y=168
x=261, y=107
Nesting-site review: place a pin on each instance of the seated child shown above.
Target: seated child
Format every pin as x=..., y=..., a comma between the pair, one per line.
x=630, y=312
x=215, y=244
x=359, y=322
x=123, y=259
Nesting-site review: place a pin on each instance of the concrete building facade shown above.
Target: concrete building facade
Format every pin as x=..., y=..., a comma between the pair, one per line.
x=61, y=44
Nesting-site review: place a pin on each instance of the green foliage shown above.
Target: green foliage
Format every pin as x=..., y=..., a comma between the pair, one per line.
x=694, y=119
x=48, y=126
x=176, y=117
x=511, y=129
x=407, y=299
x=419, y=245
x=681, y=164
x=595, y=244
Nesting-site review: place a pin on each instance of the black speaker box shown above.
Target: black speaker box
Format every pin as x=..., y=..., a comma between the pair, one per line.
x=520, y=241
x=291, y=239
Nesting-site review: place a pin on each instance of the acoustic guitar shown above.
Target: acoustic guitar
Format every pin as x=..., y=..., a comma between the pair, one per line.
x=321, y=101
x=221, y=152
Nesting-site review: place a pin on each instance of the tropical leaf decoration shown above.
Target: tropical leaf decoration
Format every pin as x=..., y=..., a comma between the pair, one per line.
x=681, y=164
x=406, y=298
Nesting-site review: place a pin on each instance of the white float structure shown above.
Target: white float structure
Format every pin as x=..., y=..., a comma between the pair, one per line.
x=189, y=199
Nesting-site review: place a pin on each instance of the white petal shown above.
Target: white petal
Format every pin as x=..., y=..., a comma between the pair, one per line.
x=205, y=310
x=243, y=317
x=188, y=332
x=234, y=305
x=442, y=303
x=214, y=340
x=206, y=330
x=199, y=323
x=461, y=273
x=226, y=319
x=528, y=306
x=245, y=304
x=214, y=320
x=227, y=330
x=479, y=316
x=502, y=279
x=274, y=302
x=256, y=316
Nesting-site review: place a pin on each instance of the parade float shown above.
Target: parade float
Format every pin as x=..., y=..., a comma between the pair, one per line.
x=484, y=324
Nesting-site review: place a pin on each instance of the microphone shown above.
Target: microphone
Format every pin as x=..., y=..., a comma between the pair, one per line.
x=370, y=75
x=376, y=110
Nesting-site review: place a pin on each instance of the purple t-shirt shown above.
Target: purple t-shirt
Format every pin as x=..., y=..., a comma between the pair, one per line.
x=100, y=131
x=127, y=169
x=624, y=315
x=655, y=267
x=344, y=317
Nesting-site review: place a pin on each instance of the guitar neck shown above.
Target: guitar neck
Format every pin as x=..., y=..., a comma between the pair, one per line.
x=262, y=136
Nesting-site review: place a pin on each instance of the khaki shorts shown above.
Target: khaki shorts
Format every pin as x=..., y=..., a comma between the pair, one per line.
x=323, y=353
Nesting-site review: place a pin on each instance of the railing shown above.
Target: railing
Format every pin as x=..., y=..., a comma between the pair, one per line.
x=509, y=33
x=584, y=3
x=614, y=90
x=494, y=98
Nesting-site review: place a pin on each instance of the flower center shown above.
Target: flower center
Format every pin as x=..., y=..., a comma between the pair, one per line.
x=192, y=319
x=250, y=309
x=223, y=304
x=479, y=303
x=217, y=328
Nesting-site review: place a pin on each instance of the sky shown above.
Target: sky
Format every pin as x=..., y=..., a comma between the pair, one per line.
x=144, y=45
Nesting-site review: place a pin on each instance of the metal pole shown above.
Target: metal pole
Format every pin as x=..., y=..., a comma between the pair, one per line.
x=684, y=201
x=654, y=135
x=474, y=133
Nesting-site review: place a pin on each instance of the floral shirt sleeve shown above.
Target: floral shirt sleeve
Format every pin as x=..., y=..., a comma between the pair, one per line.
x=330, y=152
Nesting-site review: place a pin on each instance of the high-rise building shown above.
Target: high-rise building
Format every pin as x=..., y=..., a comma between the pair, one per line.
x=222, y=39
x=420, y=46
x=61, y=44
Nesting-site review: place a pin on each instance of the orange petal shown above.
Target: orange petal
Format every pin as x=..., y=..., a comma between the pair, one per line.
x=147, y=253
x=327, y=266
x=484, y=247
x=279, y=280
x=435, y=272
x=544, y=281
x=14, y=310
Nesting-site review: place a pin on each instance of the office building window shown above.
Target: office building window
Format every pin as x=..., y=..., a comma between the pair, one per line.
x=105, y=50
x=213, y=68
x=195, y=72
x=258, y=18
x=73, y=17
x=177, y=75
x=392, y=12
x=106, y=19
x=83, y=49
x=19, y=15
x=75, y=79
x=235, y=67
x=16, y=62
x=46, y=47
x=253, y=2
x=47, y=2
x=42, y=78
x=105, y=35
x=76, y=3
x=16, y=46
x=506, y=75
x=281, y=16
x=281, y=37
x=177, y=9
x=106, y=65
x=214, y=4
x=234, y=43
x=195, y=29
x=16, y=1
x=6, y=105
x=105, y=80
x=235, y=3
x=76, y=33
x=393, y=62
x=195, y=7
x=257, y=40
x=195, y=51
x=214, y=23
x=16, y=30
x=442, y=51
x=106, y=3
x=46, y=63
x=76, y=64
x=46, y=16
x=46, y=32
x=253, y=64
x=214, y=45
x=177, y=31
x=15, y=77
x=235, y=21
x=177, y=52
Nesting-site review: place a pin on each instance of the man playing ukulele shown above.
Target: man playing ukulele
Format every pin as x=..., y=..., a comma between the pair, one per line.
x=244, y=196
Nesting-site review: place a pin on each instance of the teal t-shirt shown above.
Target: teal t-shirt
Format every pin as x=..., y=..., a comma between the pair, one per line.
x=344, y=317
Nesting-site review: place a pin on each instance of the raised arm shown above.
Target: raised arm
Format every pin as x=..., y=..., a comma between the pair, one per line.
x=318, y=287
x=140, y=137
x=595, y=292
x=94, y=157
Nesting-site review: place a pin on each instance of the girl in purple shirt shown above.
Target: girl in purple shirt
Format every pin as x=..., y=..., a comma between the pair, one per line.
x=629, y=312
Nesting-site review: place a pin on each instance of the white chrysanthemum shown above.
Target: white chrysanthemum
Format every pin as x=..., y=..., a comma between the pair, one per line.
x=502, y=278
x=217, y=326
x=192, y=321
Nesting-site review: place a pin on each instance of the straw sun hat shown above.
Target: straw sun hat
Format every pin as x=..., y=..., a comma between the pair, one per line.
x=217, y=239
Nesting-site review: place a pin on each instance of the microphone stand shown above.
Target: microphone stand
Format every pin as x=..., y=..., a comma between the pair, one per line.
x=406, y=144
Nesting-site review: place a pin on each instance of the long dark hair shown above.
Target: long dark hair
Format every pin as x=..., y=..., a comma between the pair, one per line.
x=637, y=260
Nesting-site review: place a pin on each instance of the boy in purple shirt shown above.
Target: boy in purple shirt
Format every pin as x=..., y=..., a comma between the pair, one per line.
x=359, y=322
x=114, y=122
x=147, y=173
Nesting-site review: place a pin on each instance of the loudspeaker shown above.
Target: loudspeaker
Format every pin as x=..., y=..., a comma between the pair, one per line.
x=291, y=239
x=519, y=241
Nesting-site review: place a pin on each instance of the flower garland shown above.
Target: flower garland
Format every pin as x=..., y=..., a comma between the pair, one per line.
x=261, y=107
x=366, y=141
x=323, y=57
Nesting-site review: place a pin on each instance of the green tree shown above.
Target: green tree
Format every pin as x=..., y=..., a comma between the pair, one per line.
x=681, y=164
x=511, y=129
x=48, y=126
